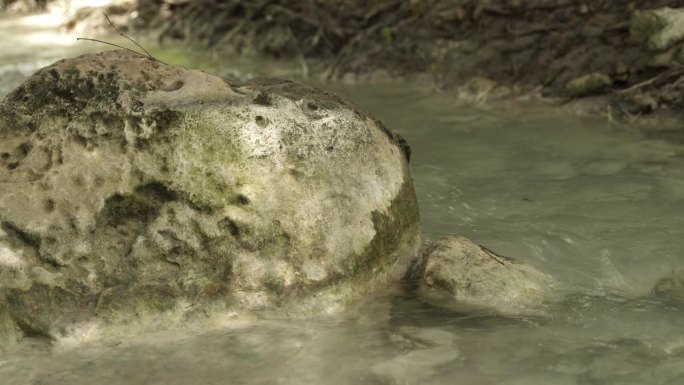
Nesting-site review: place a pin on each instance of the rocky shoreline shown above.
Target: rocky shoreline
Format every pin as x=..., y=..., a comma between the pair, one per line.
x=617, y=59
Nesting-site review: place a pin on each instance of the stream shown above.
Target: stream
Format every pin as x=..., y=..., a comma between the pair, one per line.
x=595, y=205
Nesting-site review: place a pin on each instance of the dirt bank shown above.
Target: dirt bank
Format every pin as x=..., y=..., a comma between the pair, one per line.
x=568, y=50
x=559, y=48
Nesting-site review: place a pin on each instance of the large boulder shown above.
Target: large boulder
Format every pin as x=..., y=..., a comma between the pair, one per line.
x=142, y=195
x=459, y=273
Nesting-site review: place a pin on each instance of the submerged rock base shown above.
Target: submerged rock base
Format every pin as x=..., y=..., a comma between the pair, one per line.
x=138, y=193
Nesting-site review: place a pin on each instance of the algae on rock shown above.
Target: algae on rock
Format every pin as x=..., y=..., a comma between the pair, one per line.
x=141, y=195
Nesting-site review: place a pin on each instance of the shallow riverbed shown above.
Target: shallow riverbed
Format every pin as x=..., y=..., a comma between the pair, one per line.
x=598, y=207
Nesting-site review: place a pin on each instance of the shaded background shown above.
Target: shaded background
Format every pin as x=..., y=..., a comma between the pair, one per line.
x=499, y=48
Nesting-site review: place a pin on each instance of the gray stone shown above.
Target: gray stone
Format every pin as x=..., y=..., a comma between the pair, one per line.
x=658, y=29
x=480, y=89
x=587, y=84
x=672, y=286
x=460, y=273
x=138, y=195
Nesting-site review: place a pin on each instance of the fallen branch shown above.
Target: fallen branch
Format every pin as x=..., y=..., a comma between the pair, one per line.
x=661, y=76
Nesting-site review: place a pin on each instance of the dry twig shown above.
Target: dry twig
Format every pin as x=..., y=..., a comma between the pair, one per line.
x=677, y=71
x=147, y=54
x=495, y=256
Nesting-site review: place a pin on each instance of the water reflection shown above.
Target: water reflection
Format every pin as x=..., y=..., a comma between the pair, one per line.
x=393, y=339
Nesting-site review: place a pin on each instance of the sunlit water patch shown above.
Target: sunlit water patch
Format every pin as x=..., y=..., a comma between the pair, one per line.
x=596, y=206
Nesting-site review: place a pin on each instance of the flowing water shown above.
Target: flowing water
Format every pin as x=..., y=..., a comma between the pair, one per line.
x=596, y=206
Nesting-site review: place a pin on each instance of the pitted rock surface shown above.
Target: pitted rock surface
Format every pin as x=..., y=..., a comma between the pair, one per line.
x=138, y=193
x=458, y=272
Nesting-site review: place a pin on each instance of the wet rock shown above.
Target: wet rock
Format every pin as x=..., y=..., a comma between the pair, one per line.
x=658, y=29
x=480, y=89
x=145, y=195
x=587, y=84
x=452, y=13
x=637, y=103
x=460, y=273
x=672, y=286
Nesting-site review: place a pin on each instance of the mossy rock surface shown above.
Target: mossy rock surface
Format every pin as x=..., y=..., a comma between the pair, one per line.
x=141, y=195
x=459, y=273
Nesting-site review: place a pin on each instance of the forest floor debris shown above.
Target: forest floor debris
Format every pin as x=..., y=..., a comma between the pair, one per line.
x=565, y=50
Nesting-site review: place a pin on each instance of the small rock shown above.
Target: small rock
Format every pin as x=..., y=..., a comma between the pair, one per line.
x=638, y=103
x=466, y=274
x=621, y=71
x=453, y=14
x=587, y=84
x=132, y=188
x=480, y=89
x=658, y=29
x=673, y=286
